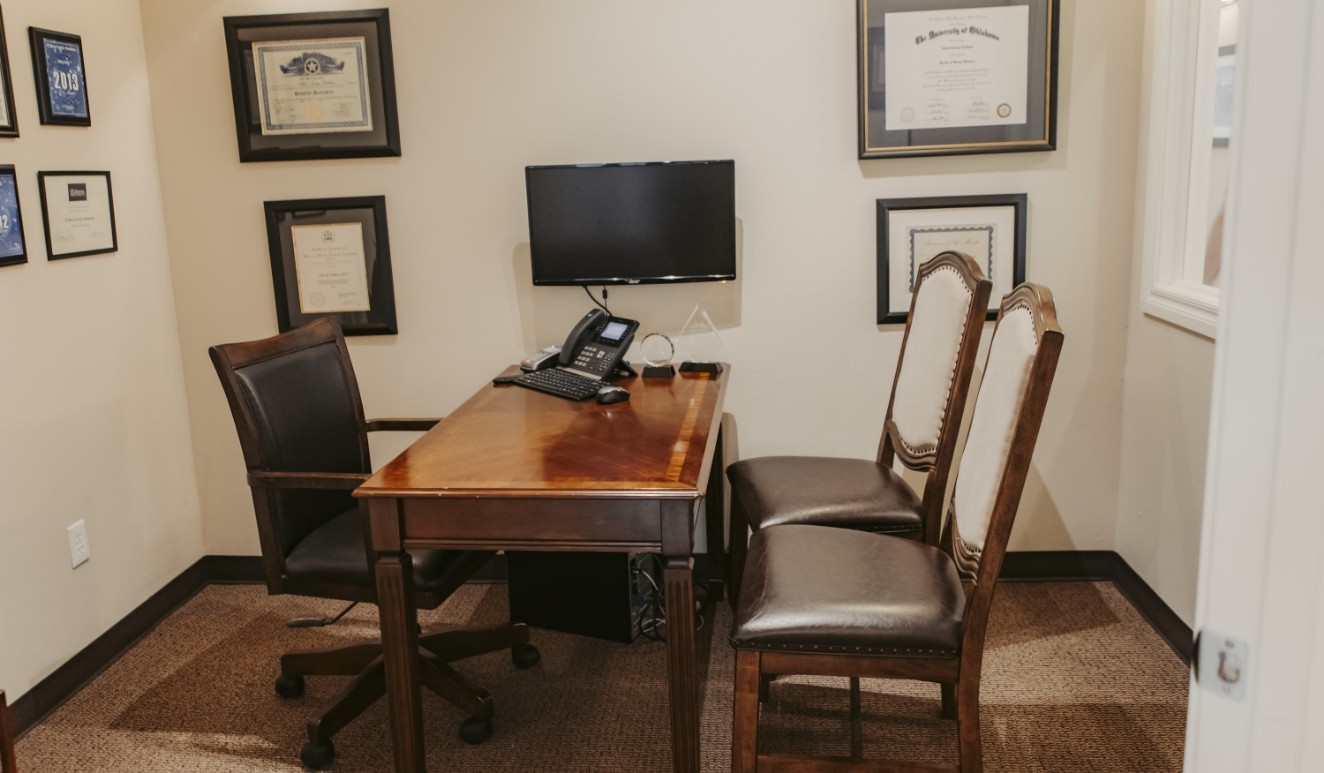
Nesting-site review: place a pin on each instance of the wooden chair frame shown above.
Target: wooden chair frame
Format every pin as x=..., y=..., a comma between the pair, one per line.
x=935, y=461
x=8, y=762
x=958, y=675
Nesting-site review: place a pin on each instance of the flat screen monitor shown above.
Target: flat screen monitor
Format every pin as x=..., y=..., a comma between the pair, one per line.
x=641, y=223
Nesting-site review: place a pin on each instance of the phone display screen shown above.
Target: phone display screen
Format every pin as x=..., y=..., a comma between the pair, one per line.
x=613, y=331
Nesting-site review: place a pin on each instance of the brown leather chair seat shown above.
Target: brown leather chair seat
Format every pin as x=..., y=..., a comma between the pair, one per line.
x=826, y=491
x=822, y=598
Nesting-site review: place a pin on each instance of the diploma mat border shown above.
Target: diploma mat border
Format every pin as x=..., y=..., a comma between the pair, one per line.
x=373, y=25
x=1012, y=261
x=42, y=178
x=1040, y=130
x=281, y=216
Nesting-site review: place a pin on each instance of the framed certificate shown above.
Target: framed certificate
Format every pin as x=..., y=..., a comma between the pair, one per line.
x=313, y=85
x=940, y=77
x=13, y=248
x=61, y=74
x=8, y=120
x=78, y=212
x=332, y=257
x=990, y=229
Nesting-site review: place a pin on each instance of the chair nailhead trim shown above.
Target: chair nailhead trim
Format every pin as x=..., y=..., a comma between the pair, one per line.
x=923, y=450
x=842, y=649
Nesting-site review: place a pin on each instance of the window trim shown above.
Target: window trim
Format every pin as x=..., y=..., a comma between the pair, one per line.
x=1183, y=56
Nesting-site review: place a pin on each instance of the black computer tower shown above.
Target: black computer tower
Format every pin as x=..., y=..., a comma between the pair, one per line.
x=605, y=595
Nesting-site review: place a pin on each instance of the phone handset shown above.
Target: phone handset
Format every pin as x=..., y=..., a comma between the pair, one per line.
x=581, y=335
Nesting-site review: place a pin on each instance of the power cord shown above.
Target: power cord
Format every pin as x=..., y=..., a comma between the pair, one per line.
x=318, y=622
x=654, y=623
x=601, y=304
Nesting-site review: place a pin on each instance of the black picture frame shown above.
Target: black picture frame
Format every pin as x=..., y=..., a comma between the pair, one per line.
x=989, y=128
x=9, y=120
x=377, y=81
x=912, y=230
x=13, y=241
x=369, y=213
x=59, y=67
x=76, y=225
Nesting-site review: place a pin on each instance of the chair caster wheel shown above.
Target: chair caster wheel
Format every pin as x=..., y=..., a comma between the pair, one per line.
x=475, y=730
x=525, y=655
x=289, y=686
x=316, y=756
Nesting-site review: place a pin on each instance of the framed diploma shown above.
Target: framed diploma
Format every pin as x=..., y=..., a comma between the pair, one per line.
x=942, y=77
x=990, y=229
x=313, y=85
x=13, y=249
x=332, y=257
x=78, y=212
x=8, y=120
x=61, y=74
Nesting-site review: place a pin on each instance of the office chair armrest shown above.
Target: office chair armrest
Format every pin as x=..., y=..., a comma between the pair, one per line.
x=307, y=480
x=415, y=425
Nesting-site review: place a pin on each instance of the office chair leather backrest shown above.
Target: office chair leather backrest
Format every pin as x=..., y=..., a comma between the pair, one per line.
x=296, y=405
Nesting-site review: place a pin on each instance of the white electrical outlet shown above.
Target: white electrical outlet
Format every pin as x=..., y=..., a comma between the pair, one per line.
x=79, y=551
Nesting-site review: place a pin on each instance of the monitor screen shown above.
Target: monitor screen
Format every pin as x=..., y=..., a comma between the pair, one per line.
x=664, y=221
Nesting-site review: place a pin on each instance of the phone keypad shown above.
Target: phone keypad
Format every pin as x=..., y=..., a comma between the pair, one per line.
x=592, y=359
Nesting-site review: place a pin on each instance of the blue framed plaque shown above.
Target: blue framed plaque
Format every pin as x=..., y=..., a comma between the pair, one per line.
x=8, y=119
x=12, y=248
x=61, y=73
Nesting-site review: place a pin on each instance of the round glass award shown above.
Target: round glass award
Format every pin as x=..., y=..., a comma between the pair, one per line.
x=657, y=350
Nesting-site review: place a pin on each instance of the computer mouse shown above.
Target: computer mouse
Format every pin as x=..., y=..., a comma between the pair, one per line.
x=612, y=394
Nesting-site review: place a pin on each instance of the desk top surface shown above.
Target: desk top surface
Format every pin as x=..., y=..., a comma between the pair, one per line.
x=509, y=441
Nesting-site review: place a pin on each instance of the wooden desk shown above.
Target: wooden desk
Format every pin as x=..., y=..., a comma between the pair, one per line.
x=518, y=469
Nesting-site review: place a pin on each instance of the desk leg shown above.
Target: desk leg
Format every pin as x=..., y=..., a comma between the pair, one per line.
x=399, y=622
x=682, y=669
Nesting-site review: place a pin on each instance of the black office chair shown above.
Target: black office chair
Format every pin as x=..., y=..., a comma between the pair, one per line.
x=296, y=406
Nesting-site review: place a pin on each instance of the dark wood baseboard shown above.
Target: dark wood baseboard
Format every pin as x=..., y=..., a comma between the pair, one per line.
x=69, y=678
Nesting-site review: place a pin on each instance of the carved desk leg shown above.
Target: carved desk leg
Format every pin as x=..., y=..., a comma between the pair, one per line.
x=682, y=669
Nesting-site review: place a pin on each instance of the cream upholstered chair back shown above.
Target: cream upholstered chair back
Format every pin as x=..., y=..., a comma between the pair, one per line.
x=1009, y=407
x=947, y=313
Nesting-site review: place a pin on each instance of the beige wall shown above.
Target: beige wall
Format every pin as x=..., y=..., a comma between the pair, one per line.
x=93, y=415
x=486, y=88
x=1168, y=381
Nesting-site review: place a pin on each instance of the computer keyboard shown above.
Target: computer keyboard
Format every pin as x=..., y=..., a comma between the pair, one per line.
x=560, y=383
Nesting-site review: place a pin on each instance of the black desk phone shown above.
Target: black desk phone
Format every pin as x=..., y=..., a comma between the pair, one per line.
x=593, y=352
x=596, y=347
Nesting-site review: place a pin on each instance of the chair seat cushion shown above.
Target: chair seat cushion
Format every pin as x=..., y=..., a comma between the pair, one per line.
x=826, y=491
x=823, y=589
x=335, y=552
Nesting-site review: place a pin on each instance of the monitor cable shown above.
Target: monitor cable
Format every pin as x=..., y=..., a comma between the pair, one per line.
x=601, y=304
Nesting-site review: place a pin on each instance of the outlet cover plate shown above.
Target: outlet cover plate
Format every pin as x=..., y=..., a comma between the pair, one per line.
x=79, y=551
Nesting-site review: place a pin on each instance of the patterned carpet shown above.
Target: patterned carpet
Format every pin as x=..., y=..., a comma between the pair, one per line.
x=1074, y=680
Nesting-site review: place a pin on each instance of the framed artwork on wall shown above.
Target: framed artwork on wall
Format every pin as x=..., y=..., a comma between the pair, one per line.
x=990, y=229
x=943, y=77
x=332, y=257
x=13, y=248
x=8, y=119
x=61, y=75
x=313, y=85
x=78, y=212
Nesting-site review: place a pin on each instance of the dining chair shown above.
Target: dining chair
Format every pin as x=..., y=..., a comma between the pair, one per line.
x=296, y=405
x=947, y=313
x=839, y=602
x=8, y=762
